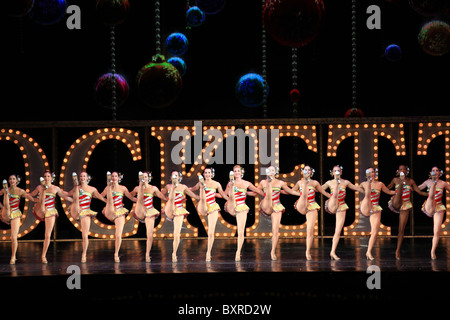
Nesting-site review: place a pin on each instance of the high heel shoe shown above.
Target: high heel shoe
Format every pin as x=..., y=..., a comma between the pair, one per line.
x=333, y=256
x=369, y=257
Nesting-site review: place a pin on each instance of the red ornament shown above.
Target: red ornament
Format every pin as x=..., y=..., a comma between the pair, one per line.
x=113, y=12
x=293, y=23
x=354, y=113
x=295, y=95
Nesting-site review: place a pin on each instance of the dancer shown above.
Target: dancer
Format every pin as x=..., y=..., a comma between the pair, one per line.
x=46, y=207
x=401, y=201
x=174, y=209
x=370, y=207
x=433, y=206
x=80, y=209
x=144, y=210
x=271, y=205
x=237, y=191
x=207, y=205
x=114, y=209
x=10, y=213
x=336, y=204
x=307, y=204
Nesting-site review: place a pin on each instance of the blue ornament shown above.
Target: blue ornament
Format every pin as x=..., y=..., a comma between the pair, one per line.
x=47, y=12
x=195, y=17
x=177, y=44
x=179, y=64
x=393, y=53
x=211, y=6
x=251, y=89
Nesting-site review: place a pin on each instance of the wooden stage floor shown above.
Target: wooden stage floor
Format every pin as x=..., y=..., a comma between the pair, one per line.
x=256, y=278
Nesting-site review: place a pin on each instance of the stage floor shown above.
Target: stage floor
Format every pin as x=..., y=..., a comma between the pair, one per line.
x=256, y=277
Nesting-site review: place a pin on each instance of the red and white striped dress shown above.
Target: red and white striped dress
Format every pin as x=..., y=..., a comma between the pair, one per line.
x=311, y=198
x=179, y=200
x=210, y=194
x=118, y=204
x=277, y=206
x=50, y=205
x=14, y=202
x=438, y=194
x=150, y=211
x=374, y=199
x=240, y=195
x=85, y=199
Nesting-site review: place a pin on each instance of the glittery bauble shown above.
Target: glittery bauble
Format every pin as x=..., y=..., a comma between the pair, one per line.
x=293, y=23
x=211, y=6
x=104, y=89
x=434, y=38
x=47, y=12
x=354, y=113
x=177, y=44
x=251, y=90
x=113, y=12
x=159, y=83
x=393, y=53
x=294, y=95
x=178, y=63
x=195, y=17
x=427, y=7
x=17, y=8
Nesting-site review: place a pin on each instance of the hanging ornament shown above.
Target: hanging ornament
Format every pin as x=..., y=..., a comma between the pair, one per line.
x=293, y=23
x=294, y=95
x=48, y=12
x=17, y=8
x=427, y=7
x=251, y=89
x=108, y=83
x=434, y=38
x=177, y=44
x=113, y=12
x=159, y=83
x=195, y=17
x=393, y=53
x=178, y=63
x=211, y=6
x=354, y=113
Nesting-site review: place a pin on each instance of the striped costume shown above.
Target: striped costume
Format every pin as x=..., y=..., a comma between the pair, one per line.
x=210, y=194
x=374, y=199
x=50, y=205
x=342, y=206
x=311, y=197
x=150, y=211
x=438, y=194
x=14, y=201
x=240, y=195
x=277, y=206
x=85, y=204
x=406, y=198
x=179, y=200
x=118, y=204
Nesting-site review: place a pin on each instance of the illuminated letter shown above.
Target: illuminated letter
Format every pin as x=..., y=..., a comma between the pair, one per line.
x=35, y=162
x=76, y=160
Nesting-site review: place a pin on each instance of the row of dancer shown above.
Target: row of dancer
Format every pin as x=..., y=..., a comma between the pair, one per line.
x=235, y=195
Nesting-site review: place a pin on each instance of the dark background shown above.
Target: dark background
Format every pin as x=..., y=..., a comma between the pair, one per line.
x=49, y=72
